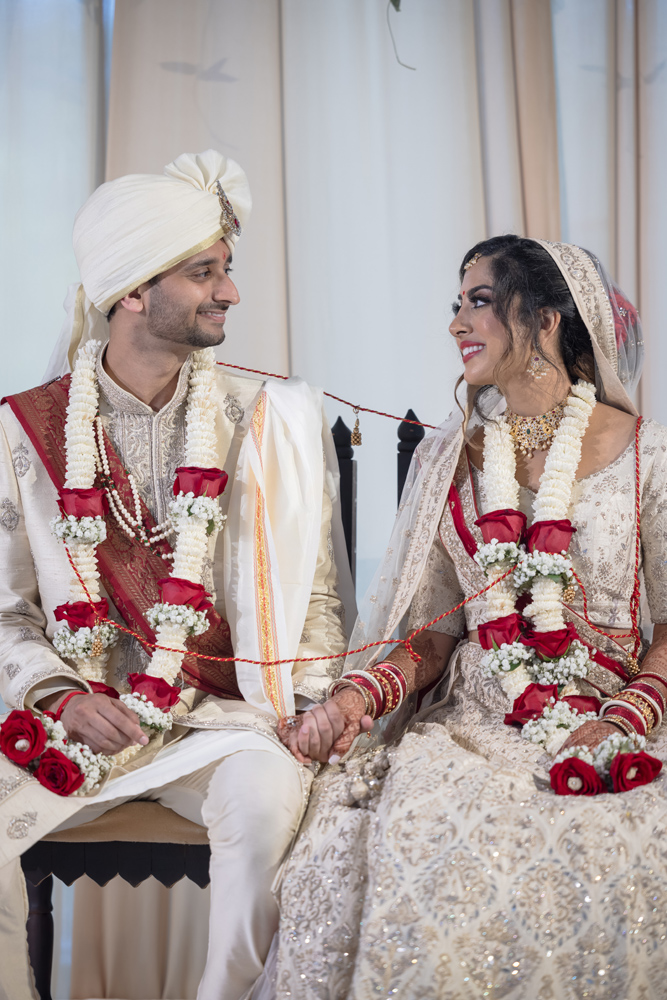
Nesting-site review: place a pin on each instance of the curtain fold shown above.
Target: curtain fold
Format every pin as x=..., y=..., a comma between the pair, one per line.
x=186, y=77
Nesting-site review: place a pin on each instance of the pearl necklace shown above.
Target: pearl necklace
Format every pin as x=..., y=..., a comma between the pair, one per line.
x=132, y=526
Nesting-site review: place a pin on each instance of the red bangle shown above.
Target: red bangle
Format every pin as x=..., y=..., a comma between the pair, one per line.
x=67, y=698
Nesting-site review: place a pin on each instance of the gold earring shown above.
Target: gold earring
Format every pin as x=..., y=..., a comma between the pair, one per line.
x=537, y=367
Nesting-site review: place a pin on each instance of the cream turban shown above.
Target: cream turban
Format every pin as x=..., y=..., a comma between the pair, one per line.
x=139, y=225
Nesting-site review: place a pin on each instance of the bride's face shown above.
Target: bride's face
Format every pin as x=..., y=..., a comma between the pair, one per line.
x=480, y=336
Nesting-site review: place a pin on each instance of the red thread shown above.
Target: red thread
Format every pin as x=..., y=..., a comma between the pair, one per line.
x=296, y=659
x=345, y=402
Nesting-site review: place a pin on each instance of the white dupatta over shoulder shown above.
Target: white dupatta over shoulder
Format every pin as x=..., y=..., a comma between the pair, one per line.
x=272, y=536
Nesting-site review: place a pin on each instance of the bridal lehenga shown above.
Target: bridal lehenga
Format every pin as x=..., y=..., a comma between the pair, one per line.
x=460, y=874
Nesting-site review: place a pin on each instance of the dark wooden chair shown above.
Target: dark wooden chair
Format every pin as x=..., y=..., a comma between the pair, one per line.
x=138, y=839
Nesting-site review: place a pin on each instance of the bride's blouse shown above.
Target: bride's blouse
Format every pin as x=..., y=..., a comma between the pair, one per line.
x=602, y=549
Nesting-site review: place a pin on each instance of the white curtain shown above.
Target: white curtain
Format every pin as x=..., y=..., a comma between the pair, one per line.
x=611, y=82
x=52, y=124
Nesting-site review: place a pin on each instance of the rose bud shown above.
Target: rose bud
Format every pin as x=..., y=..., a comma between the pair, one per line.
x=82, y=614
x=549, y=536
x=504, y=525
x=58, y=773
x=574, y=776
x=550, y=645
x=629, y=770
x=83, y=503
x=530, y=703
x=156, y=689
x=501, y=630
x=22, y=737
x=174, y=590
x=201, y=482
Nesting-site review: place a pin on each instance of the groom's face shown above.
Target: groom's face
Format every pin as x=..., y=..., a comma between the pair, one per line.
x=188, y=303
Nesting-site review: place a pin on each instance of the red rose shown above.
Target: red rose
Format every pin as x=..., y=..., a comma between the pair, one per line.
x=530, y=703
x=58, y=773
x=628, y=770
x=201, y=482
x=503, y=525
x=174, y=590
x=83, y=503
x=156, y=689
x=574, y=776
x=500, y=630
x=22, y=737
x=100, y=688
x=81, y=614
x=549, y=536
x=550, y=645
x=583, y=703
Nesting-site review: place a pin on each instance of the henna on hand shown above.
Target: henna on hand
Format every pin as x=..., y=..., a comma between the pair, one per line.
x=590, y=734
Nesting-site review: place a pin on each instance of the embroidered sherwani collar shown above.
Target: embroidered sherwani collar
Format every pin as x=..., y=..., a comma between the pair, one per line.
x=124, y=402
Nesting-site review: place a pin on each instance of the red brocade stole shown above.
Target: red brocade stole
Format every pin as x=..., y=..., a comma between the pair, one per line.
x=129, y=571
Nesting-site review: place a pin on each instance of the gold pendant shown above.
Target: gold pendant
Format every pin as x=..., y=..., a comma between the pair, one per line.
x=569, y=594
x=97, y=647
x=355, y=438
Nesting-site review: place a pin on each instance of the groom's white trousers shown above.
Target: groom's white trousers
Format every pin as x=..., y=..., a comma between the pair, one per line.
x=250, y=802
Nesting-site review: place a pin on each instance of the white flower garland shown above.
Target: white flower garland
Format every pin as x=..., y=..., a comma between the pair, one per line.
x=93, y=766
x=68, y=528
x=183, y=616
x=602, y=756
x=77, y=644
x=151, y=717
x=545, y=574
x=554, y=726
x=194, y=518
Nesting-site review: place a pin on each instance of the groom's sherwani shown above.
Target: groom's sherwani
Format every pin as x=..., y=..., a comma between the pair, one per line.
x=282, y=492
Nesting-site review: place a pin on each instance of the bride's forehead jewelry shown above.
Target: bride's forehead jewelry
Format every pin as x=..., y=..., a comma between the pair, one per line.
x=472, y=262
x=534, y=433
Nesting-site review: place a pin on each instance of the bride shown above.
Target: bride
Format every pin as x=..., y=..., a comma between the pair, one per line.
x=512, y=843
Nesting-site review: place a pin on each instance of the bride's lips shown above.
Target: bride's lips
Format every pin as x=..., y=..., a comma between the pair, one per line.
x=470, y=348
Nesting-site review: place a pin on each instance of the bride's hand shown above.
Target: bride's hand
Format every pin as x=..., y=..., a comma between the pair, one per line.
x=326, y=729
x=352, y=708
x=590, y=734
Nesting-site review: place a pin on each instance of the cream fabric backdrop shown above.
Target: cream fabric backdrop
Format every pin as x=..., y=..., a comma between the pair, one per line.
x=369, y=182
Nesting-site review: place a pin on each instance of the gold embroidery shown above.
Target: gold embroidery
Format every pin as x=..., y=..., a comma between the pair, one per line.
x=263, y=588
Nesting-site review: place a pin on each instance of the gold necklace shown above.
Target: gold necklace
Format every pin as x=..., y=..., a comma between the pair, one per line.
x=534, y=433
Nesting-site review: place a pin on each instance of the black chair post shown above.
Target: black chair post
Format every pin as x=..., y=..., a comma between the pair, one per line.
x=39, y=928
x=342, y=436
x=409, y=436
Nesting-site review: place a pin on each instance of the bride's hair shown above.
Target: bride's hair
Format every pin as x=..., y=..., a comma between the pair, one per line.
x=526, y=279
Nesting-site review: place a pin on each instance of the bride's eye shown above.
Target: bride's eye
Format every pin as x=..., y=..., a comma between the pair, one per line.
x=480, y=301
x=456, y=308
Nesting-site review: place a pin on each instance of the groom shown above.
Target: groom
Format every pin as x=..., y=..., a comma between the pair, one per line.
x=155, y=257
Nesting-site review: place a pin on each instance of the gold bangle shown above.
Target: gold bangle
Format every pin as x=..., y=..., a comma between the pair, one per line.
x=635, y=698
x=620, y=723
x=366, y=695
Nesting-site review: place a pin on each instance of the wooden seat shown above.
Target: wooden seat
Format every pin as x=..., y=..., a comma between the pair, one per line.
x=135, y=840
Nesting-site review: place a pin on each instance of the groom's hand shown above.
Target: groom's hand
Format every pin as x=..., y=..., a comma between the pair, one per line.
x=105, y=724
